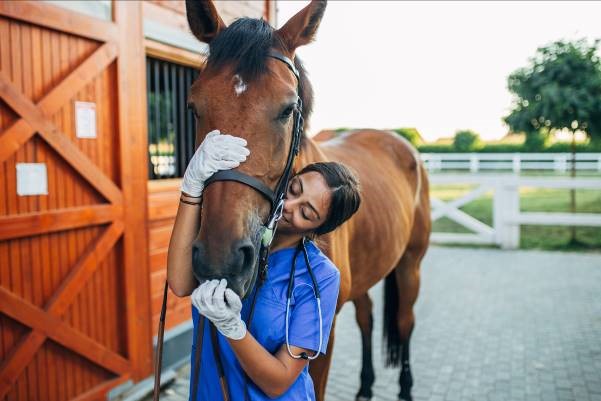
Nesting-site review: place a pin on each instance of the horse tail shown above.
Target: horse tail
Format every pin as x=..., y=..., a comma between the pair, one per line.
x=391, y=327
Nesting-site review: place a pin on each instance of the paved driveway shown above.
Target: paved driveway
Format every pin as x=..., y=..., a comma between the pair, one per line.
x=491, y=325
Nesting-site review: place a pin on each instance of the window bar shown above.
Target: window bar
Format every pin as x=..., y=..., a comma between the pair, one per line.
x=157, y=120
x=167, y=119
x=176, y=129
x=149, y=107
x=190, y=117
x=182, y=131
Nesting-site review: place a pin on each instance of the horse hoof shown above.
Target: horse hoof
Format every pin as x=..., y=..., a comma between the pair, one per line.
x=362, y=398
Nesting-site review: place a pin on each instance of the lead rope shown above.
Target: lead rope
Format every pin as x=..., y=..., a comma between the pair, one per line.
x=250, y=319
x=197, y=354
x=159, y=354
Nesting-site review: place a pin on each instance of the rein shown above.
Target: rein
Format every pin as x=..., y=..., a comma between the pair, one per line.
x=276, y=199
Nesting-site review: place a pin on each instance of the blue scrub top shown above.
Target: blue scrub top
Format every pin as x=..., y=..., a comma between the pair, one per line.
x=268, y=325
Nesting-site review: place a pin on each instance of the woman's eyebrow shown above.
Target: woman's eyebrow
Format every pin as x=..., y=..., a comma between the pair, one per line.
x=308, y=203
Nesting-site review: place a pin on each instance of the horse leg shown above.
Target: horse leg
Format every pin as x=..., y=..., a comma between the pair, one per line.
x=320, y=367
x=363, y=314
x=401, y=289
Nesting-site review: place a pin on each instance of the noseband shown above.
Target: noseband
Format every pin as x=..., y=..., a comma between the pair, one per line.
x=275, y=197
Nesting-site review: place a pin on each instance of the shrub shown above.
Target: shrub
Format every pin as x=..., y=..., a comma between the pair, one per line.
x=409, y=134
x=466, y=141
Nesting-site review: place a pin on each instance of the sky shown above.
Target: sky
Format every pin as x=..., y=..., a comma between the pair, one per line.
x=435, y=66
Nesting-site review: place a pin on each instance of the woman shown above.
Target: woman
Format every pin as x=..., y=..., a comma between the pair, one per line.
x=266, y=361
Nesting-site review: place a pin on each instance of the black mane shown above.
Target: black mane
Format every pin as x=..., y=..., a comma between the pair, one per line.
x=246, y=43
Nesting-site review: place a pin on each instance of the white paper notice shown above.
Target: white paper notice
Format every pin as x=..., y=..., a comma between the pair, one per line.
x=85, y=120
x=32, y=179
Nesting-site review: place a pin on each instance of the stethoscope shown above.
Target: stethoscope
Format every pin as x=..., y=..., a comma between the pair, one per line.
x=303, y=355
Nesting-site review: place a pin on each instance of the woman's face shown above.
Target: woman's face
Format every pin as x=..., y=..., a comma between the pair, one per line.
x=306, y=205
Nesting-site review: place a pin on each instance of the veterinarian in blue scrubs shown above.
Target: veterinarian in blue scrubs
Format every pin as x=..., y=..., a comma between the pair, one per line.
x=258, y=361
x=268, y=324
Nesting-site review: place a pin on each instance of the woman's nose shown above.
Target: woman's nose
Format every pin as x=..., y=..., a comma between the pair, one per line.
x=289, y=205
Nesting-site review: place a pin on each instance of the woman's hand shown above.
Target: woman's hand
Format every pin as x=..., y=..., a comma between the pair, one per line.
x=210, y=300
x=216, y=152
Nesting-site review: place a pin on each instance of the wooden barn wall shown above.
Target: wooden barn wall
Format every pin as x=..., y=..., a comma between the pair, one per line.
x=163, y=195
x=163, y=199
x=74, y=287
x=229, y=10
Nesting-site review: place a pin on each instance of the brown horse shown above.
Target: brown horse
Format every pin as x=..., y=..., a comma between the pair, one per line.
x=243, y=92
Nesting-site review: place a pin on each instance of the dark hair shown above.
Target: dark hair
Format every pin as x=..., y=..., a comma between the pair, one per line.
x=245, y=44
x=346, y=197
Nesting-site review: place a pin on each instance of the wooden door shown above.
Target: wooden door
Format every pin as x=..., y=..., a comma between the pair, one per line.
x=74, y=278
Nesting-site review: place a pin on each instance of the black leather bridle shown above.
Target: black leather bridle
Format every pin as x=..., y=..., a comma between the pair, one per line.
x=276, y=198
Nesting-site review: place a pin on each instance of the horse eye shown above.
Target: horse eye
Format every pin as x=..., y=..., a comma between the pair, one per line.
x=287, y=112
x=192, y=108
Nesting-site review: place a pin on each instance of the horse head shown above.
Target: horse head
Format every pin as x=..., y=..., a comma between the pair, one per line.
x=244, y=92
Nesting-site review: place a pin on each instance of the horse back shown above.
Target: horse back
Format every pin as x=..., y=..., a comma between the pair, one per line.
x=393, y=182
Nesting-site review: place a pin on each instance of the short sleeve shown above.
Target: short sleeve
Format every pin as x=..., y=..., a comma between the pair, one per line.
x=304, y=318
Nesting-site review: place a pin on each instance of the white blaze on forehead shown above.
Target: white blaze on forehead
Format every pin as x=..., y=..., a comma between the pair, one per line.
x=239, y=85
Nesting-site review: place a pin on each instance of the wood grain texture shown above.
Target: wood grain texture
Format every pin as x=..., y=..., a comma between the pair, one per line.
x=173, y=54
x=52, y=327
x=59, y=19
x=59, y=142
x=23, y=353
x=18, y=134
x=133, y=136
x=163, y=200
x=29, y=224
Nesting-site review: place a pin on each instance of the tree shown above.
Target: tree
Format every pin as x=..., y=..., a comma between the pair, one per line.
x=559, y=90
x=466, y=141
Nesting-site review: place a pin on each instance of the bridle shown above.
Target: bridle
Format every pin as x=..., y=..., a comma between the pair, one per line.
x=276, y=198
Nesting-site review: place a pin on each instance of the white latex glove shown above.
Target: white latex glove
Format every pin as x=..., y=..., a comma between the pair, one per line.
x=216, y=152
x=210, y=300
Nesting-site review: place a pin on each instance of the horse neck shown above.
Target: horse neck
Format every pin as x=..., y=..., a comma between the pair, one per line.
x=310, y=152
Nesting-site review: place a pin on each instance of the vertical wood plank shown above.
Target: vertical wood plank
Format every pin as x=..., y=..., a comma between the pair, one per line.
x=31, y=266
x=133, y=162
x=41, y=251
x=78, y=48
x=62, y=51
x=53, y=260
x=6, y=203
x=56, y=200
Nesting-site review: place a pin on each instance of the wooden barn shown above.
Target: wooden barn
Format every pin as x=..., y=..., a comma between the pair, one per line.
x=94, y=134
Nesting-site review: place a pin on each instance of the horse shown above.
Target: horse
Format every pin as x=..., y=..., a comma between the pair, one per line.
x=242, y=91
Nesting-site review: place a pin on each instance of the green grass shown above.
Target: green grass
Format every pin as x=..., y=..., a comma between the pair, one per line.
x=531, y=200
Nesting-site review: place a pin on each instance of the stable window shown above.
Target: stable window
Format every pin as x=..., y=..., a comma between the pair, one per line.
x=171, y=132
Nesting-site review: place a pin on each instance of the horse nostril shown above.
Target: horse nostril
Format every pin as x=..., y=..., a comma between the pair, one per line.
x=247, y=256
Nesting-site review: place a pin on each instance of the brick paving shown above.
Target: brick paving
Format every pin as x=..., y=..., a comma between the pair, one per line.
x=491, y=325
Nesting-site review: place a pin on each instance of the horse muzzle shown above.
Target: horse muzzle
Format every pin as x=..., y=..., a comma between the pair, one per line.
x=237, y=265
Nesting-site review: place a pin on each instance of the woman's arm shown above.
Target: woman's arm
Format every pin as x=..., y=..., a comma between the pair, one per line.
x=216, y=152
x=273, y=374
x=179, y=256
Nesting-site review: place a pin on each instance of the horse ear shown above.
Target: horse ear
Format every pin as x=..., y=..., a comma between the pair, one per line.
x=301, y=29
x=203, y=19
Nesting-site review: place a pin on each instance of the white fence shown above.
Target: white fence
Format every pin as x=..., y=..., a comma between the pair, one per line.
x=507, y=216
x=516, y=162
